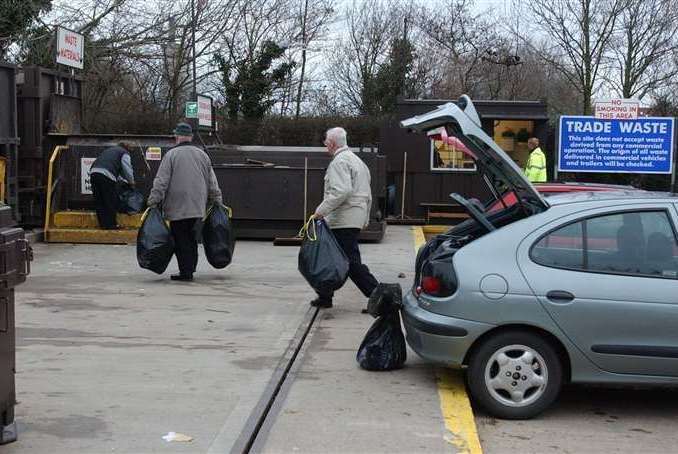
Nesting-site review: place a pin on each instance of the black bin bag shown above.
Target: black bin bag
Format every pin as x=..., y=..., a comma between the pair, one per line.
x=130, y=201
x=383, y=347
x=322, y=262
x=155, y=245
x=218, y=237
x=384, y=299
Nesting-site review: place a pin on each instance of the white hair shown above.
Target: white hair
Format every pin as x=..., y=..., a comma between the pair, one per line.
x=337, y=135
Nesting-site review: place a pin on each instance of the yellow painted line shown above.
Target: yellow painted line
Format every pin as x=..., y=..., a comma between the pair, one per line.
x=435, y=229
x=454, y=402
x=419, y=238
x=457, y=412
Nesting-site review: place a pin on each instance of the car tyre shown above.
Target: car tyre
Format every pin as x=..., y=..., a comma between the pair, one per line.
x=514, y=375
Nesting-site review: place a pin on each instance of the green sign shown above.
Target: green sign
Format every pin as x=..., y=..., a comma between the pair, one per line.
x=191, y=110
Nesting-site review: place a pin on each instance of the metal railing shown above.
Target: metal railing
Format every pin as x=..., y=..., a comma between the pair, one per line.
x=51, y=184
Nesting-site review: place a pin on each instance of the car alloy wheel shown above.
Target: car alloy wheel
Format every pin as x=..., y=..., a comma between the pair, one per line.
x=514, y=374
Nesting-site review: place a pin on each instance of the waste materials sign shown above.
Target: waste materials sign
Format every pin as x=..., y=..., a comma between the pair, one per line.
x=588, y=144
x=85, y=182
x=70, y=48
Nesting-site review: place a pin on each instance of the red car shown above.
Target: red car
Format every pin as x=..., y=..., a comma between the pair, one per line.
x=549, y=189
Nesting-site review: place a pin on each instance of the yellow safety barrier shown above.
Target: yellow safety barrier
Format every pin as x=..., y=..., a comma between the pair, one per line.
x=50, y=181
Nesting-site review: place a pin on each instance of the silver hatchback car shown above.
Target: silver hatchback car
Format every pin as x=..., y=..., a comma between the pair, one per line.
x=580, y=288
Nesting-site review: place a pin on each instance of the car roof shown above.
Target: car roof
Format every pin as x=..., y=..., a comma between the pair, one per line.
x=577, y=185
x=633, y=196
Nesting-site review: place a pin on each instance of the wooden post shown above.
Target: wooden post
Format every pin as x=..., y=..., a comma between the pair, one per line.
x=402, y=200
x=305, y=189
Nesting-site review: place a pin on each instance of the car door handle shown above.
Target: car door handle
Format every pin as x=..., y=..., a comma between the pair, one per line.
x=559, y=296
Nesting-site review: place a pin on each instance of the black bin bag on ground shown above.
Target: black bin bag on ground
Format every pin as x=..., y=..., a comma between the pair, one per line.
x=218, y=237
x=130, y=201
x=322, y=262
x=384, y=299
x=383, y=347
x=155, y=245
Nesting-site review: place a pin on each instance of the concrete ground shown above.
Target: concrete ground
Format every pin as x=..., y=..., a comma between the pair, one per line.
x=110, y=358
x=591, y=420
x=334, y=406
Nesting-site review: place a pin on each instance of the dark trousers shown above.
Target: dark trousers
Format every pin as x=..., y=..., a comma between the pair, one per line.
x=357, y=271
x=185, y=244
x=106, y=200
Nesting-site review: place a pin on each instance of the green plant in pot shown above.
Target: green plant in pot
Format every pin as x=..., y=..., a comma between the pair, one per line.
x=523, y=135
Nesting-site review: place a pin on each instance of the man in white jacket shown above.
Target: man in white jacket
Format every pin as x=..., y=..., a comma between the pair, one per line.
x=346, y=209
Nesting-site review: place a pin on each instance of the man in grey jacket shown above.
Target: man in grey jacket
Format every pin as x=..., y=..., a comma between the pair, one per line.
x=184, y=185
x=346, y=208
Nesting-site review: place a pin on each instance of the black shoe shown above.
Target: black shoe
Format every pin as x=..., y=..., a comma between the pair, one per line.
x=364, y=311
x=182, y=277
x=324, y=304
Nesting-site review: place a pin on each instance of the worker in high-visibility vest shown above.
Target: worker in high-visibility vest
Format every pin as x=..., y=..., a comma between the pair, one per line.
x=535, y=170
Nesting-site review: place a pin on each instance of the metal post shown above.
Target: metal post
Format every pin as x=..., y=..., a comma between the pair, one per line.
x=50, y=188
x=195, y=90
x=675, y=159
x=305, y=188
x=196, y=121
x=402, y=200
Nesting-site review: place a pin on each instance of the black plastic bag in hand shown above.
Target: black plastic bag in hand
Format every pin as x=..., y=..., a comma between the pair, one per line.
x=155, y=245
x=383, y=347
x=218, y=237
x=321, y=260
x=130, y=201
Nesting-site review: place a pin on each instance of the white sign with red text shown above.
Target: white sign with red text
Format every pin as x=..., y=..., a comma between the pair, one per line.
x=617, y=109
x=70, y=48
x=204, y=111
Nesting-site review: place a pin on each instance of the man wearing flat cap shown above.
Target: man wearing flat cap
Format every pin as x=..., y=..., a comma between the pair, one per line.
x=184, y=186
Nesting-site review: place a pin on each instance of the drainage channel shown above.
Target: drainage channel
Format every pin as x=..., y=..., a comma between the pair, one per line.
x=257, y=423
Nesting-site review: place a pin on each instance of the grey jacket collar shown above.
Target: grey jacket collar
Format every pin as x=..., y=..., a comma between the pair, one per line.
x=339, y=150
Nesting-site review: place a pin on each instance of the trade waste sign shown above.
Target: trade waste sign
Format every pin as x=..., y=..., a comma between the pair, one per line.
x=641, y=145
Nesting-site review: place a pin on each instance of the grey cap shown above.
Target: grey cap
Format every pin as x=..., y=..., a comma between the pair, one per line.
x=183, y=129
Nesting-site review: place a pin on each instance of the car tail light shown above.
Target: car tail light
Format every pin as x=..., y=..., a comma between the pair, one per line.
x=431, y=285
x=438, y=278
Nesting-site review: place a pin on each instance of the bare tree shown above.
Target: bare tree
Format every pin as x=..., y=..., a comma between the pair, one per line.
x=646, y=47
x=358, y=55
x=461, y=41
x=577, y=38
x=313, y=17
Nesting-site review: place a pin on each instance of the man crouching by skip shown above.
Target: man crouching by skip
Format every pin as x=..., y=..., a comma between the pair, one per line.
x=184, y=185
x=346, y=209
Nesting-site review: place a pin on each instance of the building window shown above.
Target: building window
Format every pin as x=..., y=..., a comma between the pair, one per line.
x=511, y=136
x=450, y=157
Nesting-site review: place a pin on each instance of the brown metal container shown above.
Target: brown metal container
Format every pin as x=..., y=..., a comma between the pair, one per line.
x=15, y=257
x=264, y=186
x=9, y=139
x=49, y=102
